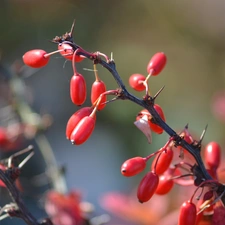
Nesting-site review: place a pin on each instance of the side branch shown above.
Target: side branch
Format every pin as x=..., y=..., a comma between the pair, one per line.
x=22, y=212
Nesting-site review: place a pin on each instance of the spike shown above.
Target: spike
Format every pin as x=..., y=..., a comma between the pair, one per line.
x=159, y=91
x=202, y=135
x=72, y=28
x=28, y=149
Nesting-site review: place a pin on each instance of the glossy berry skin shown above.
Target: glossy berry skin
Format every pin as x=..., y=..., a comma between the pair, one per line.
x=163, y=161
x=78, y=89
x=212, y=155
x=68, y=52
x=135, y=82
x=156, y=63
x=36, y=58
x=98, y=87
x=75, y=119
x=147, y=187
x=133, y=166
x=187, y=214
x=83, y=130
x=164, y=186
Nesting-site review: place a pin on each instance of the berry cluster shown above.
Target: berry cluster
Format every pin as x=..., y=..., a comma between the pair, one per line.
x=178, y=161
x=165, y=171
x=81, y=124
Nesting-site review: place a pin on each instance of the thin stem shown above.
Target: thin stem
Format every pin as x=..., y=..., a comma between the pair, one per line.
x=96, y=73
x=74, y=61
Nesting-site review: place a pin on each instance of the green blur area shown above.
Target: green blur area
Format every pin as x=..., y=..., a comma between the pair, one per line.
x=191, y=33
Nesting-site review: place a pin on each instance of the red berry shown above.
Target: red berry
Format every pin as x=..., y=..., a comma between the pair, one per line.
x=98, y=87
x=135, y=82
x=157, y=129
x=212, y=155
x=164, y=186
x=75, y=119
x=133, y=166
x=78, y=89
x=83, y=130
x=36, y=58
x=3, y=137
x=163, y=161
x=187, y=214
x=156, y=64
x=147, y=186
x=68, y=52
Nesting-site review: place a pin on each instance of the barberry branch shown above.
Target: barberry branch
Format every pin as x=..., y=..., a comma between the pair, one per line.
x=21, y=211
x=8, y=176
x=147, y=102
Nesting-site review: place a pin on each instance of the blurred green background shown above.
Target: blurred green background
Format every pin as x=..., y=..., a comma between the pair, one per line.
x=191, y=33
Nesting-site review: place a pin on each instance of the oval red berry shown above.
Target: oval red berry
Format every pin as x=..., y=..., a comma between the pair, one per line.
x=187, y=214
x=136, y=82
x=36, y=58
x=163, y=161
x=75, y=119
x=154, y=127
x=156, y=64
x=147, y=186
x=68, y=52
x=164, y=186
x=83, y=130
x=98, y=87
x=78, y=89
x=133, y=166
x=213, y=155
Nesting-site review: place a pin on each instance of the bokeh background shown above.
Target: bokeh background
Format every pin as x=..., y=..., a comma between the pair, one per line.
x=191, y=33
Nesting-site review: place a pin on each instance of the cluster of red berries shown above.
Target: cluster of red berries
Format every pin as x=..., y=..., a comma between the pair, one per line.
x=163, y=174
x=139, y=82
x=81, y=124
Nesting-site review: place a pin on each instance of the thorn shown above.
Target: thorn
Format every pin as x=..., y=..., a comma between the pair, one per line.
x=202, y=135
x=4, y=216
x=186, y=127
x=72, y=28
x=111, y=57
x=28, y=149
x=55, y=42
x=159, y=91
x=26, y=160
